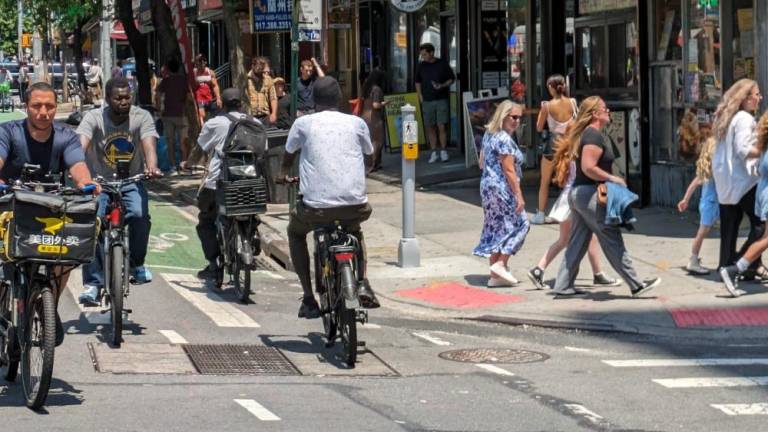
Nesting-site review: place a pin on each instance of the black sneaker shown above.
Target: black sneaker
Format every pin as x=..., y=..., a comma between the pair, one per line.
x=536, y=275
x=309, y=308
x=730, y=276
x=647, y=286
x=367, y=297
x=59, y=330
x=601, y=279
x=209, y=272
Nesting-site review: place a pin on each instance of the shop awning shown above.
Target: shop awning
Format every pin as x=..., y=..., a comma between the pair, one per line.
x=118, y=31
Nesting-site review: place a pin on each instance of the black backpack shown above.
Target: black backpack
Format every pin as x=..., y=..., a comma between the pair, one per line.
x=245, y=149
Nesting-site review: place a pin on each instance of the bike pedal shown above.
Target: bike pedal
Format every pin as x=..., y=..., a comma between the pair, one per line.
x=126, y=310
x=362, y=316
x=103, y=311
x=361, y=343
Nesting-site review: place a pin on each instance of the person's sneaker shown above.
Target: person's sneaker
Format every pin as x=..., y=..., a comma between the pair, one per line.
x=89, y=296
x=209, y=272
x=367, y=297
x=59, y=330
x=602, y=280
x=172, y=172
x=762, y=273
x=309, y=308
x=730, y=276
x=569, y=292
x=433, y=157
x=694, y=267
x=497, y=282
x=500, y=271
x=647, y=286
x=536, y=275
x=548, y=220
x=539, y=218
x=444, y=156
x=140, y=275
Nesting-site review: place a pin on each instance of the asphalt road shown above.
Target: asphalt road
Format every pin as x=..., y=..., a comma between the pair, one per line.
x=582, y=381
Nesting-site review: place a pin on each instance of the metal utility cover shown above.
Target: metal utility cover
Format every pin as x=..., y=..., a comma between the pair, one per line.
x=140, y=359
x=493, y=355
x=239, y=360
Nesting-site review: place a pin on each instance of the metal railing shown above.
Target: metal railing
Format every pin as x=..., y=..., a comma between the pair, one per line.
x=224, y=76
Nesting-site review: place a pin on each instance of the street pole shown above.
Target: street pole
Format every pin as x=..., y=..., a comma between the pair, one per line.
x=20, y=28
x=105, y=46
x=292, y=195
x=408, y=248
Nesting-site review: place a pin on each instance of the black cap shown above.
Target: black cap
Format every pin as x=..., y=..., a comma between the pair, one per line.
x=326, y=93
x=231, y=98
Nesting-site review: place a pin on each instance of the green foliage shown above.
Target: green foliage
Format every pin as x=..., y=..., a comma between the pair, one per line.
x=9, y=14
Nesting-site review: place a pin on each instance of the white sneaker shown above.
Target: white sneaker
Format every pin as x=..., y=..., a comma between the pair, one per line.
x=694, y=267
x=497, y=282
x=433, y=157
x=539, y=218
x=499, y=270
x=444, y=156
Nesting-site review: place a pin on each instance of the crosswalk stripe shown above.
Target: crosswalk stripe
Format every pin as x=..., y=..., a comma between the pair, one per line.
x=687, y=362
x=173, y=337
x=257, y=410
x=219, y=310
x=743, y=409
x=433, y=339
x=268, y=273
x=713, y=382
x=494, y=369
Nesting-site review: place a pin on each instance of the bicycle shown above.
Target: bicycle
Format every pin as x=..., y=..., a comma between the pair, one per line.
x=116, y=253
x=237, y=230
x=5, y=96
x=33, y=264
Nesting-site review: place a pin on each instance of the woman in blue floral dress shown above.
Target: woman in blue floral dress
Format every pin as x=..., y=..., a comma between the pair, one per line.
x=506, y=223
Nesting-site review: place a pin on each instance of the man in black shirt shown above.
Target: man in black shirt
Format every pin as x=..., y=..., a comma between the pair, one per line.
x=433, y=81
x=305, y=87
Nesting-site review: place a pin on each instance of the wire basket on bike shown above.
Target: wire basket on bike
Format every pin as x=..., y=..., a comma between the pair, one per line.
x=48, y=228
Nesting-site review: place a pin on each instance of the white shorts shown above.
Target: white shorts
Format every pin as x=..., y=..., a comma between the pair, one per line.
x=561, y=211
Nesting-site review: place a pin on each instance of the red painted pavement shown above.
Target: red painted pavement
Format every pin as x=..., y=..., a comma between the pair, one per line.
x=455, y=295
x=730, y=317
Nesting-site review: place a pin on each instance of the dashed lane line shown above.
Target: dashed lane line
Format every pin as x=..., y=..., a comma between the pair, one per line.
x=582, y=411
x=687, y=362
x=432, y=339
x=713, y=382
x=494, y=369
x=257, y=410
x=742, y=409
x=173, y=337
x=219, y=310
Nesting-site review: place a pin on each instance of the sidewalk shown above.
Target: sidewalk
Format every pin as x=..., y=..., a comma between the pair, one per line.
x=451, y=282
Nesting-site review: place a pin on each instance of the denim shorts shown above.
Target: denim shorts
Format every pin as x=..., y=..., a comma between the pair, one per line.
x=435, y=112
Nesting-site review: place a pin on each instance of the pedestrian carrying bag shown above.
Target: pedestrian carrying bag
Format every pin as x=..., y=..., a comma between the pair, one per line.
x=48, y=228
x=242, y=185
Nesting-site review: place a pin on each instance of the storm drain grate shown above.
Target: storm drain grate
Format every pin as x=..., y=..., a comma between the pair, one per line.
x=239, y=360
x=493, y=355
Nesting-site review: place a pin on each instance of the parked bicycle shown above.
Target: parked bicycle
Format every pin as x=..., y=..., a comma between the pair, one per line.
x=6, y=103
x=114, y=243
x=45, y=235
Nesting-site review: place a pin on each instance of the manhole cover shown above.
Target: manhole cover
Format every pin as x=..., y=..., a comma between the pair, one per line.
x=239, y=360
x=493, y=355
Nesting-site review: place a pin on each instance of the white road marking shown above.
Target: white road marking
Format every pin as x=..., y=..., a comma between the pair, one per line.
x=174, y=237
x=429, y=338
x=257, y=410
x=173, y=337
x=582, y=411
x=743, y=409
x=151, y=266
x=219, y=310
x=494, y=369
x=371, y=326
x=687, y=362
x=574, y=349
x=269, y=273
x=713, y=382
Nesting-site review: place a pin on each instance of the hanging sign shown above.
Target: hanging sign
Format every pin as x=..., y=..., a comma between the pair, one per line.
x=272, y=16
x=408, y=5
x=339, y=14
x=310, y=20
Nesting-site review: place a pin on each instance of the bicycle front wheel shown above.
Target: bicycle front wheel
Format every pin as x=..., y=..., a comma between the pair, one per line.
x=9, y=357
x=347, y=319
x=241, y=276
x=116, y=293
x=38, y=347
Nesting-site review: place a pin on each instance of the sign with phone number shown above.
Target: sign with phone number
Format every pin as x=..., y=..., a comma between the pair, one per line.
x=272, y=15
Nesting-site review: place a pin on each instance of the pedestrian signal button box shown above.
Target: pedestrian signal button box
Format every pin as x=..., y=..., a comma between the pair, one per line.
x=410, y=140
x=411, y=151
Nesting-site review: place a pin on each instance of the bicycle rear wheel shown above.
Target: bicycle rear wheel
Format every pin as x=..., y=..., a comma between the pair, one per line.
x=9, y=356
x=116, y=293
x=241, y=275
x=347, y=320
x=38, y=346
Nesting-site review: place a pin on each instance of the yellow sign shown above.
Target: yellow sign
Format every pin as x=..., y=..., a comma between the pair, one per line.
x=394, y=121
x=53, y=224
x=400, y=40
x=52, y=249
x=411, y=151
x=26, y=40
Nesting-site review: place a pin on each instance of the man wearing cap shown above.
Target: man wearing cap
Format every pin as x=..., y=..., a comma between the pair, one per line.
x=211, y=141
x=284, y=119
x=332, y=147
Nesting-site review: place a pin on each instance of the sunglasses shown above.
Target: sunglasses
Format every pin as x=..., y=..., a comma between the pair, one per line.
x=515, y=117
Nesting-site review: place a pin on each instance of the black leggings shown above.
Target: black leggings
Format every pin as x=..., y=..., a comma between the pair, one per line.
x=730, y=220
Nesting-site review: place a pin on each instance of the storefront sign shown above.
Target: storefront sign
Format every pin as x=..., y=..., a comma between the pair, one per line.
x=272, y=16
x=339, y=14
x=477, y=114
x=408, y=5
x=394, y=121
x=310, y=20
x=593, y=6
x=493, y=47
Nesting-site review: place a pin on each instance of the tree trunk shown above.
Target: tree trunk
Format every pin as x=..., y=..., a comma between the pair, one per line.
x=166, y=32
x=236, y=56
x=138, y=44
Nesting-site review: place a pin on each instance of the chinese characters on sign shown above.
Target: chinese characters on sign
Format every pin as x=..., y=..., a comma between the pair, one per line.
x=272, y=15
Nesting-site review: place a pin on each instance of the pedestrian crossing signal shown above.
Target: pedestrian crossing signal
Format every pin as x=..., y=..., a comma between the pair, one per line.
x=26, y=40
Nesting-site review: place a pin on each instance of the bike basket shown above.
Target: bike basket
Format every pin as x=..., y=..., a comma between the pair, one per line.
x=48, y=228
x=241, y=197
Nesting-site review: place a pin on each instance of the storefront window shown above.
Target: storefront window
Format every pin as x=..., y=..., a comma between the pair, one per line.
x=669, y=27
x=427, y=22
x=607, y=51
x=703, y=77
x=590, y=43
x=743, y=40
x=398, y=65
x=516, y=43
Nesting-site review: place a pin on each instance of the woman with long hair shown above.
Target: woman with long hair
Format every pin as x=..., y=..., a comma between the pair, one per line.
x=734, y=168
x=505, y=224
x=555, y=114
x=373, y=113
x=585, y=145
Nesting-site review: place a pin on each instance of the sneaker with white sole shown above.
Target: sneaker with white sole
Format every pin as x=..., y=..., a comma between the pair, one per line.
x=600, y=279
x=444, y=156
x=536, y=275
x=647, y=286
x=500, y=271
x=539, y=218
x=89, y=296
x=694, y=267
x=497, y=282
x=433, y=157
x=730, y=276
